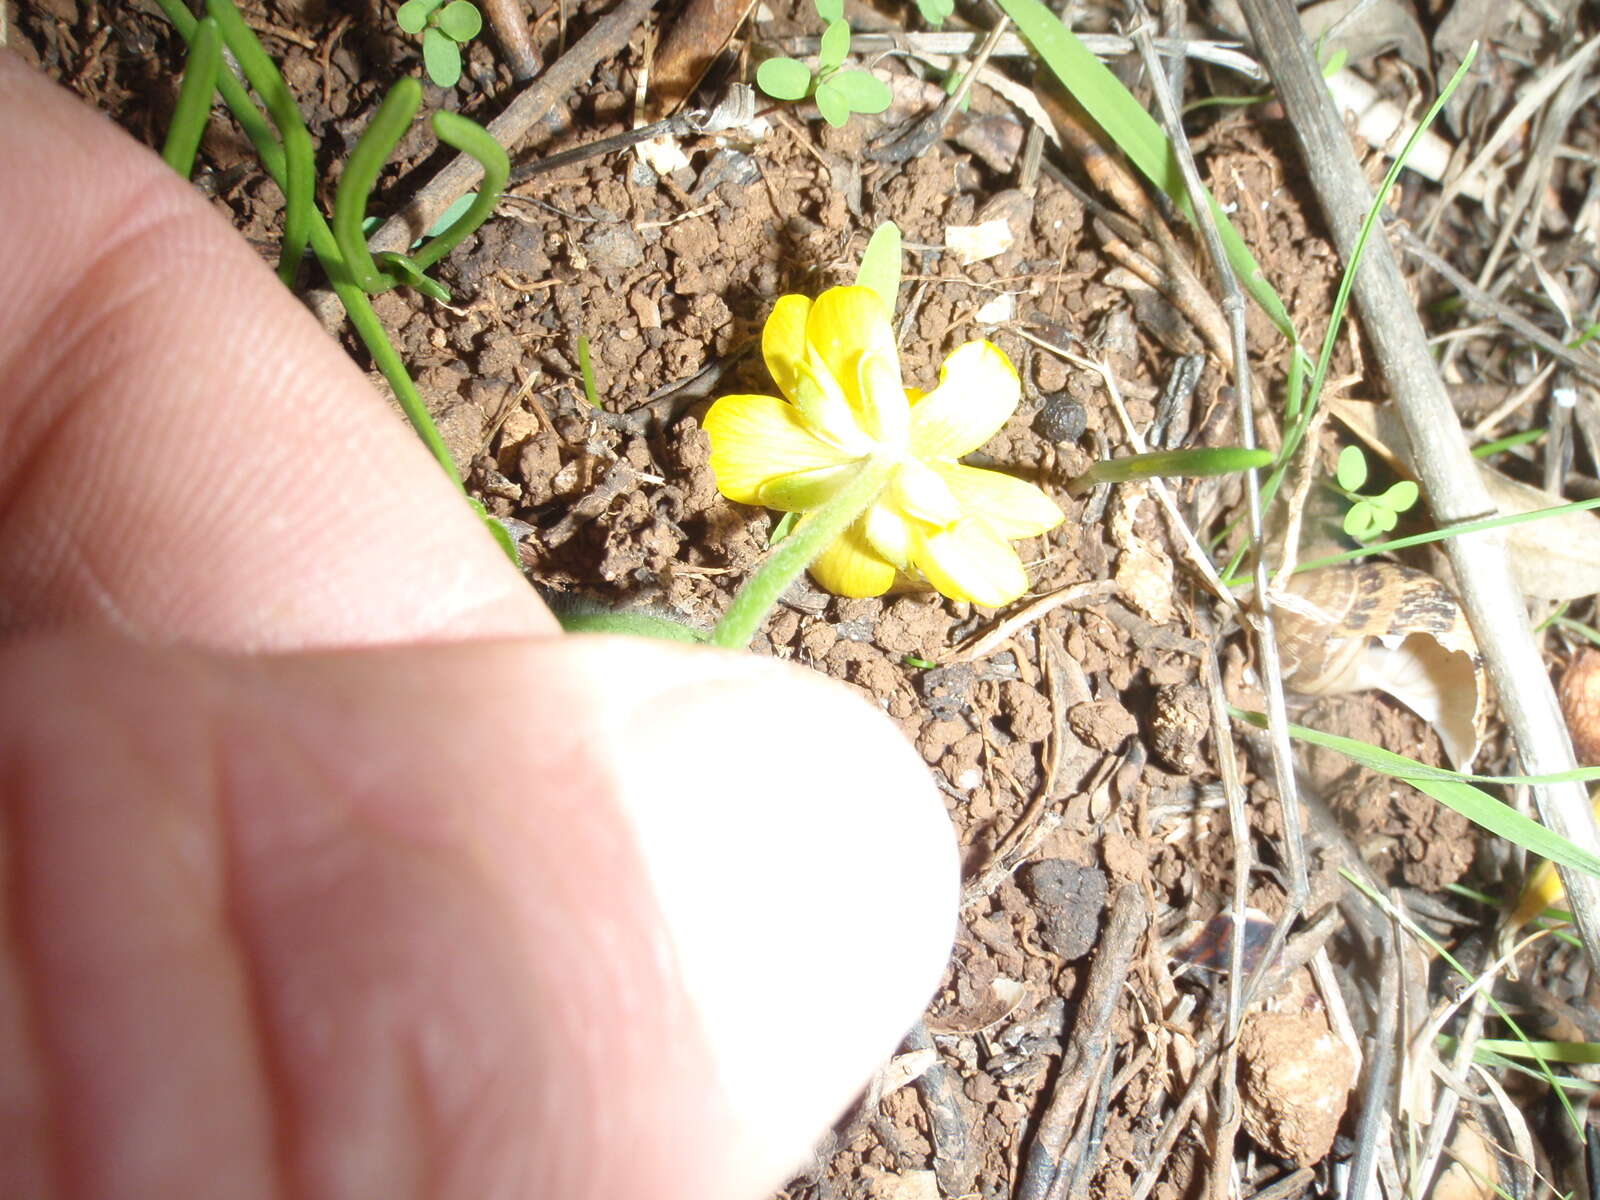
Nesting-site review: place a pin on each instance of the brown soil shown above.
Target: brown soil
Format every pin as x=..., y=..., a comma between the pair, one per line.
x=1079, y=747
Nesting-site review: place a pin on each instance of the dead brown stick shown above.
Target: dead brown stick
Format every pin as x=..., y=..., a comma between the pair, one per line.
x=1438, y=450
x=1088, y=1049
x=606, y=37
x=510, y=27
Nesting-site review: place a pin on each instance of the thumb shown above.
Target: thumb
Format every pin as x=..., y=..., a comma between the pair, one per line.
x=555, y=918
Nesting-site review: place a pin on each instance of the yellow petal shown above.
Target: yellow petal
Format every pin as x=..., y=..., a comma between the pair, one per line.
x=783, y=340
x=969, y=562
x=978, y=390
x=885, y=411
x=823, y=407
x=757, y=439
x=888, y=534
x=805, y=490
x=844, y=324
x=1012, y=507
x=918, y=491
x=850, y=567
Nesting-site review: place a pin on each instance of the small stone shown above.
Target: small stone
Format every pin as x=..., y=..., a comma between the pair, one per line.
x=1103, y=724
x=1070, y=899
x=1180, y=718
x=1580, y=704
x=614, y=248
x=1294, y=1079
x=1061, y=419
x=946, y=690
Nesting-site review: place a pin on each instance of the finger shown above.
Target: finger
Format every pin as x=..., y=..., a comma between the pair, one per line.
x=183, y=453
x=400, y=924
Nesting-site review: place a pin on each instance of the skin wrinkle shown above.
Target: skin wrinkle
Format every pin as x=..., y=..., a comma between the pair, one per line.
x=87, y=1164
x=24, y=970
x=78, y=308
x=584, y=981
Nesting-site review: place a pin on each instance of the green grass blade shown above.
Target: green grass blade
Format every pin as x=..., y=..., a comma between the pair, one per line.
x=299, y=169
x=189, y=118
x=1453, y=792
x=1133, y=129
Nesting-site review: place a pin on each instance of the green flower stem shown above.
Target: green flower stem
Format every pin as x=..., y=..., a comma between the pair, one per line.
x=632, y=624
x=377, y=142
x=796, y=552
x=469, y=137
x=194, y=97
x=367, y=325
x=298, y=177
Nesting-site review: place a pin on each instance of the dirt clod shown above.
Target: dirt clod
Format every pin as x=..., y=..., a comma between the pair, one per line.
x=1295, y=1081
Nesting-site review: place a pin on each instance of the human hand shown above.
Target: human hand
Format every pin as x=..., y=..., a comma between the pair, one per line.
x=328, y=867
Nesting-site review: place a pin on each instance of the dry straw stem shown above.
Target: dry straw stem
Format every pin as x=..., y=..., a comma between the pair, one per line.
x=1439, y=452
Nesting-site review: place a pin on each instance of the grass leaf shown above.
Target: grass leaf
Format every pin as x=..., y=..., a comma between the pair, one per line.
x=1133, y=129
x=1453, y=792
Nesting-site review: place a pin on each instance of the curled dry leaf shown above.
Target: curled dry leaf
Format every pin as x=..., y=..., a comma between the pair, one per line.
x=1557, y=558
x=1378, y=625
x=1580, y=704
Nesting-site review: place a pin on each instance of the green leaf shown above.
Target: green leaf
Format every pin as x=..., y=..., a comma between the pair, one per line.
x=441, y=57
x=1358, y=521
x=880, y=264
x=935, y=12
x=784, y=78
x=863, y=91
x=831, y=103
x=1336, y=63
x=1127, y=123
x=835, y=45
x=782, y=529
x=830, y=10
x=413, y=15
x=460, y=21
x=1383, y=519
x=1473, y=803
x=1210, y=461
x=1400, y=497
x=1352, y=470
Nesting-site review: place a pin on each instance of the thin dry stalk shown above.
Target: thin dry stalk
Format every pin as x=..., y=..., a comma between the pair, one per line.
x=1193, y=551
x=1088, y=1051
x=1440, y=455
x=1539, y=88
x=1294, y=851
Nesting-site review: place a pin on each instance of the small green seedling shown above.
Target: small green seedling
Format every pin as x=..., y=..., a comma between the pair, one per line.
x=1370, y=516
x=445, y=28
x=934, y=12
x=837, y=91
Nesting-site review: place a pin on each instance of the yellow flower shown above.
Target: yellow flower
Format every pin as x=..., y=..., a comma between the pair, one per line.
x=843, y=407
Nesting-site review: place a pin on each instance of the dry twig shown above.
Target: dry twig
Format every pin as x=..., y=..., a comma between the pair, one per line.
x=1439, y=451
